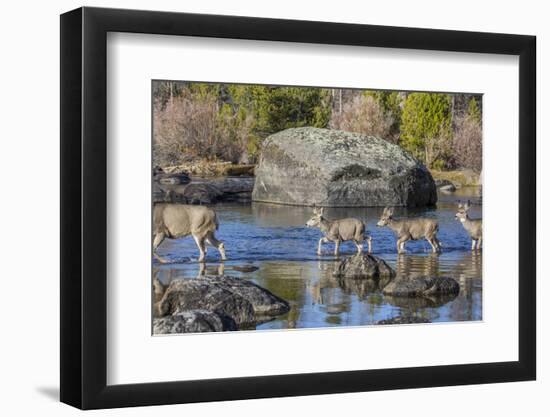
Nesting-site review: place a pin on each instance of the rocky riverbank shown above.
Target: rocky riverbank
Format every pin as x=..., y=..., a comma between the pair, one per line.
x=206, y=191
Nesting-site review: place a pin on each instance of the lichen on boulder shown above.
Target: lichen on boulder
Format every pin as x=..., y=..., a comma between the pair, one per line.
x=240, y=300
x=363, y=265
x=332, y=168
x=193, y=321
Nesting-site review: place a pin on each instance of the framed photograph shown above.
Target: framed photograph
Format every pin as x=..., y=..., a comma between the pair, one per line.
x=257, y=208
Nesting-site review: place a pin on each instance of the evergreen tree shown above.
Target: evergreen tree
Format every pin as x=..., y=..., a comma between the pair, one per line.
x=426, y=127
x=474, y=111
x=279, y=108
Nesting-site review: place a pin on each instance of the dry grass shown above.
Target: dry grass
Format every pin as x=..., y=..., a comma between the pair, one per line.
x=205, y=168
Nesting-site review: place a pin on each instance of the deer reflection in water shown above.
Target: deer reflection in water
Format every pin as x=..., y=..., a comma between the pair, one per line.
x=412, y=266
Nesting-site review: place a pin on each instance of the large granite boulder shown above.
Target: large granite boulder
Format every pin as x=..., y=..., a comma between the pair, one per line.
x=193, y=321
x=242, y=301
x=331, y=168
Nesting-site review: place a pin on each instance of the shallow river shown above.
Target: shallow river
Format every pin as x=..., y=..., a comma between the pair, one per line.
x=274, y=239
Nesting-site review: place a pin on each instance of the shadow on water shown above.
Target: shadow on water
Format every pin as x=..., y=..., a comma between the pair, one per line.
x=270, y=245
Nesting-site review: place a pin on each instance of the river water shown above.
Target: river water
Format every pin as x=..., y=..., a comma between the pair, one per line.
x=273, y=240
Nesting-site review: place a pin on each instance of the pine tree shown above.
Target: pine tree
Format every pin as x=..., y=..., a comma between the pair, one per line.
x=426, y=127
x=474, y=111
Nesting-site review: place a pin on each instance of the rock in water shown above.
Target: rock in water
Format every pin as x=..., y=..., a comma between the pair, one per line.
x=193, y=321
x=404, y=320
x=242, y=301
x=422, y=286
x=363, y=265
x=331, y=168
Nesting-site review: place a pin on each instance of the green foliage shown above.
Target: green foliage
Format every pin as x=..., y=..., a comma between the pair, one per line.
x=426, y=125
x=279, y=108
x=474, y=111
x=230, y=121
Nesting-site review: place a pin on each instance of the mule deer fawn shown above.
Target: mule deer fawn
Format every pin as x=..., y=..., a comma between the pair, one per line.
x=175, y=221
x=411, y=229
x=472, y=226
x=338, y=231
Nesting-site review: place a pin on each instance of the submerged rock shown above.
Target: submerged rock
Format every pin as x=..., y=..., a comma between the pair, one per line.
x=360, y=287
x=422, y=286
x=332, y=168
x=403, y=320
x=420, y=302
x=242, y=301
x=193, y=321
x=363, y=265
x=245, y=268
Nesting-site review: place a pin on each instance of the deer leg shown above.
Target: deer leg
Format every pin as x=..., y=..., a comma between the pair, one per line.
x=200, y=244
x=321, y=241
x=474, y=244
x=336, y=247
x=479, y=244
x=437, y=243
x=159, y=237
x=211, y=240
x=369, y=243
x=359, y=246
x=432, y=244
x=401, y=245
x=202, y=270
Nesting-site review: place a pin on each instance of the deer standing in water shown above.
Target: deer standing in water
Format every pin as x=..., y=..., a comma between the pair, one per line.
x=472, y=226
x=338, y=231
x=175, y=221
x=411, y=229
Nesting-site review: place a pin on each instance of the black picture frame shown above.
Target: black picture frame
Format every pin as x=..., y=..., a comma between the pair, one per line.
x=84, y=207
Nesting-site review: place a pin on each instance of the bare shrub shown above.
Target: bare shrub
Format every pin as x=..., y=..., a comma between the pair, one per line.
x=183, y=129
x=363, y=115
x=437, y=150
x=467, y=143
x=191, y=127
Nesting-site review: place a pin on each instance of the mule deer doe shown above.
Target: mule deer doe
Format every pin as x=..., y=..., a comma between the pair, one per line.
x=472, y=226
x=411, y=229
x=175, y=221
x=338, y=231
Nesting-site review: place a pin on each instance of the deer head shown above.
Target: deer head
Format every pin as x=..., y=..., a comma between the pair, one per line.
x=316, y=218
x=462, y=213
x=386, y=217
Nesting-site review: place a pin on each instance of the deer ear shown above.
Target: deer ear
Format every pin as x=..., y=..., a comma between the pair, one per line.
x=390, y=211
x=322, y=211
